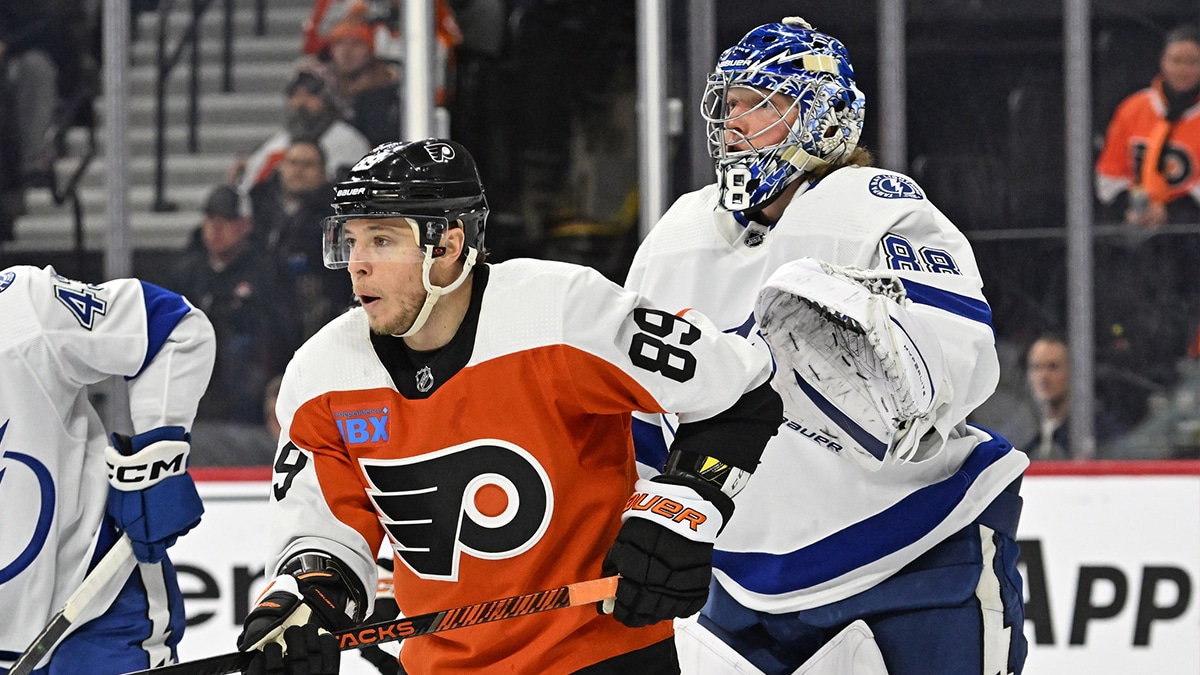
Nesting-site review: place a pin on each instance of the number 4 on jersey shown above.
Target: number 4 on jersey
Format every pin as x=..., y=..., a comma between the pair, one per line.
x=648, y=350
x=84, y=305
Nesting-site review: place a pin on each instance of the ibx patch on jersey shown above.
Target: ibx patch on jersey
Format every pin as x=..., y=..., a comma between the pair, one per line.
x=894, y=186
x=362, y=425
x=6, y=280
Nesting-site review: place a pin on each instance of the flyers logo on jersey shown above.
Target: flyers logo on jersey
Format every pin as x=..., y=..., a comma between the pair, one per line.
x=363, y=426
x=486, y=498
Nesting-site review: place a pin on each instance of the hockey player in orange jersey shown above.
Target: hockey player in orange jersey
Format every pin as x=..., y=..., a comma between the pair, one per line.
x=477, y=416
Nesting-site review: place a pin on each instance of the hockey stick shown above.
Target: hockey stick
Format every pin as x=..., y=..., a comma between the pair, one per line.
x=571, y=595
x=119, y=560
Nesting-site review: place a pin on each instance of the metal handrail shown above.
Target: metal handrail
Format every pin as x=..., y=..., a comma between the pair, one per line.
x=68, y=190
x=190, y=40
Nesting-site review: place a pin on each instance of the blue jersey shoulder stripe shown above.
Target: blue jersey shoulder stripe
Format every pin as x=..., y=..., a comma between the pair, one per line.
x=649, y=445
x=164, y=310
x=864, y=542
x=968, y=308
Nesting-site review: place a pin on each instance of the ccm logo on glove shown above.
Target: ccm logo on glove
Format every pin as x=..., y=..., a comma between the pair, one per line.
x=150, y=466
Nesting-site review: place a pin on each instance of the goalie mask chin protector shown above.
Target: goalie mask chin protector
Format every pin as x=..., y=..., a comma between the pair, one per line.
x=812, y=71
x=432, y=185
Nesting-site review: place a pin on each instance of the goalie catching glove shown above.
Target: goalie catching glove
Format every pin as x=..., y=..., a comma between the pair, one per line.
x=664, y=548
x=151, y=496
x=854, y=364
x=289, y=625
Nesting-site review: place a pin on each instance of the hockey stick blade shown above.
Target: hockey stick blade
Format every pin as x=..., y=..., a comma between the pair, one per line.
x=571, y=595
x=118, y=560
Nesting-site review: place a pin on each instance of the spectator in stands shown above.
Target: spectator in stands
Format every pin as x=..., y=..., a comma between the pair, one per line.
x=368, y=85
x=383, y=18
x=313, y=111
x=235, y=283
x=1048, y=370
x=288, y=209
x=40, y=49
x=1149, y=171
x=1148, y=174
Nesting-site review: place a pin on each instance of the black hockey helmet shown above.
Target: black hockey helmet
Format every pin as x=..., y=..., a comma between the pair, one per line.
x=431, y=177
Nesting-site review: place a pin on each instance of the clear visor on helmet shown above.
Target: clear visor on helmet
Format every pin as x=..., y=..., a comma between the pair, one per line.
x=743, y=119
x=378, y=238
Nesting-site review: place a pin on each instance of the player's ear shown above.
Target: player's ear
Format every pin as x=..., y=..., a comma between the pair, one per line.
x=454, y=241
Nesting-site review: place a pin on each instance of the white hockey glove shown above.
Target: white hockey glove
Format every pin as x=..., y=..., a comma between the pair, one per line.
x=850, y=364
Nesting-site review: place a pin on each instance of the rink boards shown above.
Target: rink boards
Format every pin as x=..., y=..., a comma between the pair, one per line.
x=1110, y=557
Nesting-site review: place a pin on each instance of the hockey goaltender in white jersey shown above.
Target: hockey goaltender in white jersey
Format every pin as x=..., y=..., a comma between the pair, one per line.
x=57, y=336
x=828, y=541
x=878, y=535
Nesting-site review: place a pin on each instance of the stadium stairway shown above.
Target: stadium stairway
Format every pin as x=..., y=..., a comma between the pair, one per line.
x=230, y=125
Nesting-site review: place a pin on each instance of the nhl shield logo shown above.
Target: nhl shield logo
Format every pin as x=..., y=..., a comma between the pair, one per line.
x=440, y=152
x=755, y=235
x=424, y=380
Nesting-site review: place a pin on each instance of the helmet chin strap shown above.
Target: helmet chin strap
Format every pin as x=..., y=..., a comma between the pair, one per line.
x=432, y=293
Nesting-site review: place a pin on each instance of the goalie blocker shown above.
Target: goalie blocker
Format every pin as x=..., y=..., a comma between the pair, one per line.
x=853, y=364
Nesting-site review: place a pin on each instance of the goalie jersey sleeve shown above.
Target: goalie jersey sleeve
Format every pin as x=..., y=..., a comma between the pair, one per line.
x=857, y=524
x=508, y=476
x=57, y=336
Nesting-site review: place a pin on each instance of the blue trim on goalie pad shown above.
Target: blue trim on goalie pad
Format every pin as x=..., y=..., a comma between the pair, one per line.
x=961, y=305
x=649, y=445
x=873, y=445
x=864, y=542
x=926, y=617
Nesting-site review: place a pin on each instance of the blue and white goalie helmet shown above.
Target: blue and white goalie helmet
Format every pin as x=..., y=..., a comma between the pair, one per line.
x=813, y=71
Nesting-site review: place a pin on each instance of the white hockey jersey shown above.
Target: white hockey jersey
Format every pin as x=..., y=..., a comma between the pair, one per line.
x=813, y=526
x=56, y=337
x=501, y=465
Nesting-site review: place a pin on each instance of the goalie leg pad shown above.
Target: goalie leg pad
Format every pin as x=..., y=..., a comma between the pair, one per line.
x=853, y=651
x=702, y=653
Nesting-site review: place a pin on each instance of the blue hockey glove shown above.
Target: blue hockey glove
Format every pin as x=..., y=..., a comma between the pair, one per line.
x=151, y=496
x=663, y=550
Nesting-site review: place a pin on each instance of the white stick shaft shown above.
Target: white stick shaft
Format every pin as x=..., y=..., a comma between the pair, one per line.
x=116, y=562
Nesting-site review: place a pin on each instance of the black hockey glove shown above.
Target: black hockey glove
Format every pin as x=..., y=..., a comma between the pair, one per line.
x=663, y=551
x=310, y=651
x=288, y=625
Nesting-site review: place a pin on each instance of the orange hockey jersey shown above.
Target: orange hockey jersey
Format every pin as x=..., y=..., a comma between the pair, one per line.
x=500, y=465
x=1143, y=148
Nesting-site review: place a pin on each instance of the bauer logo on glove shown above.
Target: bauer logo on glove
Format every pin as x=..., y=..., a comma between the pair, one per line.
x=670, y=513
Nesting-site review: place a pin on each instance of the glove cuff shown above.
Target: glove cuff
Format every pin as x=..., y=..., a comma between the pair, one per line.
x=677, y=507
x=148, y=466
